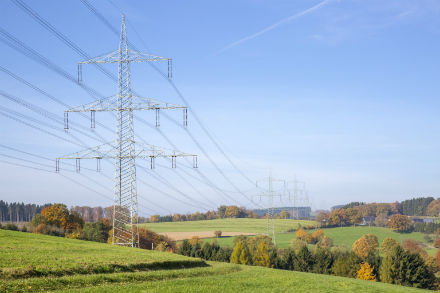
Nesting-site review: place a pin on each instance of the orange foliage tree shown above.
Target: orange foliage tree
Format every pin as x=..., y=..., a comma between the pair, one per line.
x=399, y=223
x=365, y=246
x=56, y=215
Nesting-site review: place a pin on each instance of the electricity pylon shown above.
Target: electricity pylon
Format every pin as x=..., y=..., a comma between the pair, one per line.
x=270, y=194
x=124, y=150
x=300, y=196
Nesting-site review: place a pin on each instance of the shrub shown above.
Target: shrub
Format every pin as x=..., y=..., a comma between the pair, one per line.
x=437, y=243
x=218, y=233
x=323, y=261
x=11, y=227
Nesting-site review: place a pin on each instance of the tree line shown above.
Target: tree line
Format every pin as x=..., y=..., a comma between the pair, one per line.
x=19, y=212
x=404, y=264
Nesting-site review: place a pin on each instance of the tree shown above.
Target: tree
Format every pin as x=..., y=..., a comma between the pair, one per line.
x=346, y=265
x=405, y=268
x=325, y=242
x=231, y=212
x=285, y=215
x=261, y=255
x=399, y=223
x=388, y=245
x=323, y=261
x=433, y=209
x=304, y=260
x=154, y=218
x=55, y=215
x=317, y=235
x=366, y=272
x=185, y=248
x=240, y=253
x=301, y=234
x=218, y=233
x=365, y=246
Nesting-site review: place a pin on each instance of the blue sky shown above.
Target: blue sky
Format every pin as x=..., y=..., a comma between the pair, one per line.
x=341, y=94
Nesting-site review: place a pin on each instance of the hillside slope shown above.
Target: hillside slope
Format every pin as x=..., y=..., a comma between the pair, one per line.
x=37, y=263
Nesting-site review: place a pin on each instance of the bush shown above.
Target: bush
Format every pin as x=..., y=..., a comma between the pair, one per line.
x=95, y=232
x=437, y=243
x=366, y=272
x=11, y=227
x=218, y=233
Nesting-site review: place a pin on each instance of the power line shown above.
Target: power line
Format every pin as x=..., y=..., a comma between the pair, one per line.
x=102, y=18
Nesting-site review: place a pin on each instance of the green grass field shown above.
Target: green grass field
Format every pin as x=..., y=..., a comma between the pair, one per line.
x=227, y=225
x=20, y=251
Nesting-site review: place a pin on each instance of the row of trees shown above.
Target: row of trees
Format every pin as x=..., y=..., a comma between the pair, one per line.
x=222, y=212
x=405, y=264
x=19, y=212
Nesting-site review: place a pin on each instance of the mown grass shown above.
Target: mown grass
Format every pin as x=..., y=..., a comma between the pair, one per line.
x=245, y=225
x=253, y=279
x=27, y=255
x=19, y=250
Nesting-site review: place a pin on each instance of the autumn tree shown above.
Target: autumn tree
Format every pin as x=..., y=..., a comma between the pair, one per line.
x=285, y=215
x=399, y=223
x=388, y=245
x=154, y=218
x=55, y=215
x=365, y=246
x=240, y=253
x=231, y=212
x=301, y=234
x=325, y=242
x=366, y=272
x=433, y=208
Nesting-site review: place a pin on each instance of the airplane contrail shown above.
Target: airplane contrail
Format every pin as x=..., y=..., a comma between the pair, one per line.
x=275, y=25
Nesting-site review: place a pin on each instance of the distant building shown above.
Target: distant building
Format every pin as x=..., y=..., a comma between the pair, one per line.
x=367, y=221
x=423, y=220
x=295, y=212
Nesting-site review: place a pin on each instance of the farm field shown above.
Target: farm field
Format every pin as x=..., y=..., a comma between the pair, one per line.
x=20, y=251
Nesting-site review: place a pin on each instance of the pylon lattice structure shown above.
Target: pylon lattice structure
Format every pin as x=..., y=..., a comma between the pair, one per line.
x=124, y=150
x=271, y=194
x=300, y=197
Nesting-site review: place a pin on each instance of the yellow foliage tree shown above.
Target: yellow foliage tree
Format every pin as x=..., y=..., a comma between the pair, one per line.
x=366, y=272
x=301, y=234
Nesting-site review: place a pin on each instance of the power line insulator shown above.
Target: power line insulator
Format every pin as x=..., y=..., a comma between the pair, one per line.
x=170, y=68
x=92, y=118
x=57, y=165
x=173, y=162
x=78, y=165
x=79, y=73
x=195, y=163
x=98, y=164
x=152, y=163
x=157, y=117
x=185, y=117
x=66, y=121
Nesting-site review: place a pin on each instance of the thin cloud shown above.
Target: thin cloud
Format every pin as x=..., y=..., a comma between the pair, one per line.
x=275, y=25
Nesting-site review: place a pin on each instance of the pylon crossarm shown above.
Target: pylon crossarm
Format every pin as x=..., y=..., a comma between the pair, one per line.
x=111, y=151
x=112, y=104
x=130, y=56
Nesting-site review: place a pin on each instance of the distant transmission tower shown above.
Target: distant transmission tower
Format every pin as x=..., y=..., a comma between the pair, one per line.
x=124, y=150
x=300, y=197
x=270, y=194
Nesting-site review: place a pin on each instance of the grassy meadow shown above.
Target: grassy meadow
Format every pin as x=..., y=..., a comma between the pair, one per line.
x=341, y=236
x=79, y=266
x=245, y=225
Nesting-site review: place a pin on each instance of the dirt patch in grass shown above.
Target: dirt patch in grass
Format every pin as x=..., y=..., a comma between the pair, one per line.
x=201, y=234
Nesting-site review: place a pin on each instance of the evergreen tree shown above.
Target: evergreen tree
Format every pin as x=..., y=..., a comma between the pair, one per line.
x=323, y=261
x=304, y=260
x=185, y=248
x=346, y=265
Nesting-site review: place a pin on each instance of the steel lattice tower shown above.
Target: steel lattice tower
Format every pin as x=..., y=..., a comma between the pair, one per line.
x=270, y=194
x=124, y=150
